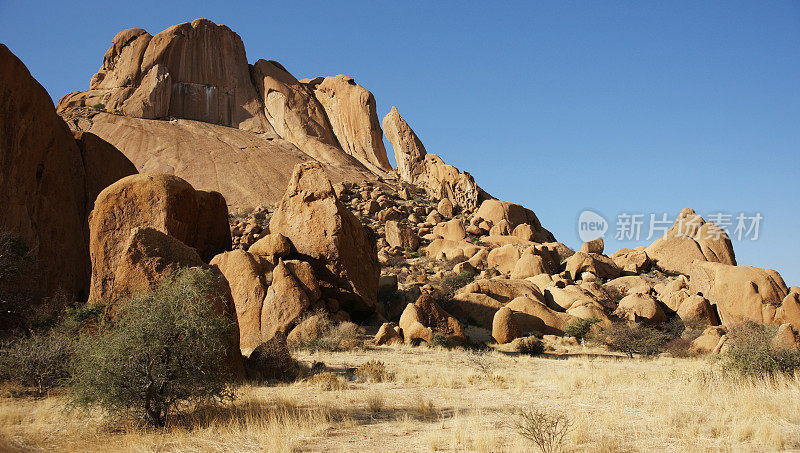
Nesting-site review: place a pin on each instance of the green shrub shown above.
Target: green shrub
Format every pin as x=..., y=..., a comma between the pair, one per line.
x=530, y=346
x=440, y=340
x=634, y=339
x=166, y=348
x=40, y=360
x=580, y=328
x=546, y=430
x=452, y=282
x=749, y=351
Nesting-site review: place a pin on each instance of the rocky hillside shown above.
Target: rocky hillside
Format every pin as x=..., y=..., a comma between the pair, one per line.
x=186, y=102
x=182, y=154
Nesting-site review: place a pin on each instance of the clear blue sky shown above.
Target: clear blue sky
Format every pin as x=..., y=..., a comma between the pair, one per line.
x=633, y=107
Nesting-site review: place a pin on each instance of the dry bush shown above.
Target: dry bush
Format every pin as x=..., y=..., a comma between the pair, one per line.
x=634, y=339
x=546, y=430
x=749, y=352
x=375, y=402
x=530, y=346
x=373, y=371
x=21, y=295
x=423, y=408
x=331, y=336
x=327, y=381
x=40, y=360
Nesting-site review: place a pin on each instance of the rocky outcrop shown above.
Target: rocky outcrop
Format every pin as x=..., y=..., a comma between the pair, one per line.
x=409, y=152
x=741, y=293
x=353, y=117
x=325, y=233
x=248, y=290
x=48, y=181
x=297, y=116
x=690, y=238
x=194, y=70
x=249, y=170
x=495, y=212
x=162, y=202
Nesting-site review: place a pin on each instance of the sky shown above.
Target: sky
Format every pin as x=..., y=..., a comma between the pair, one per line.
x=620, y=108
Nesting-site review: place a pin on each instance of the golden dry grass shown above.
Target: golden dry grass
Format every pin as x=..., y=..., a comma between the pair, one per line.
x=439, y=400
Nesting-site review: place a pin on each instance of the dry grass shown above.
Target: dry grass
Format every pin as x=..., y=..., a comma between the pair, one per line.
x=436, y=402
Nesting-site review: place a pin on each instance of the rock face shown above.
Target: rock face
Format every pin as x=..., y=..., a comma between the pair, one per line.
x=323, y=230
x=48, y=181
x=248, y=169
x=741, y=293
x=496, y=211
x=297, y=116
x=690, y=238
x=162, y=202
x=104, y=164
x=248, y=290
x=409, y=152
x=354, y=119
x=285, y=302
x=194, y=70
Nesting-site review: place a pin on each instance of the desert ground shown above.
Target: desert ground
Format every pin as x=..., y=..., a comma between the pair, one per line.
x=435, y=399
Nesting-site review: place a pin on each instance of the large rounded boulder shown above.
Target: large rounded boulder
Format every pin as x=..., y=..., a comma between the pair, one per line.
x=165, y=203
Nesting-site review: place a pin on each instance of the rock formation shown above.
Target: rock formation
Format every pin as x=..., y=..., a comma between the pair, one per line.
x=48, y=181
x=194, y=70
x=690, y=238
x=331, y=237
x=354, y=119
x=162, y=202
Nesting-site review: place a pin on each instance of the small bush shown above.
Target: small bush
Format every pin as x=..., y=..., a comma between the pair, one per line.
x=328, y=381
x=452, y=282
x=749, y=352
x=530, y=346
x=40, y=361
x=372, y=371
x=481, y=361
x=580, y=328
x=424, y=408
x=440, y=340
x=375, y=402
x=634, y=339
x=166, y=348
x=546, y=430
x=330, y=336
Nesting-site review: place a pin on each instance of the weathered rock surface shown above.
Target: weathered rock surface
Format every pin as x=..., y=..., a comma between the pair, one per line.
x=248, y=290
x=41, y=177
x=248, y=169
x=409, y=152
x=353, y=117
x=163, y=202
x=741, y=293
x=495, y=211
x=690, y=238
x=48, y=182
x=194, y=70
x=504, y=328
x=638, y=307
x=322, y=229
